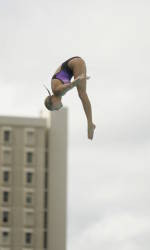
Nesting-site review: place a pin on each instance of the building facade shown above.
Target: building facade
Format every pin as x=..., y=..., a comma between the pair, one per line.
x=33, y=177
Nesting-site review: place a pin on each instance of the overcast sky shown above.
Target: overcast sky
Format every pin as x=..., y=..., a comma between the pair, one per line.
x=108, y=178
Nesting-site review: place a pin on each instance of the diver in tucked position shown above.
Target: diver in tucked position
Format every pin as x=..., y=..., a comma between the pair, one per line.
x=61, y=84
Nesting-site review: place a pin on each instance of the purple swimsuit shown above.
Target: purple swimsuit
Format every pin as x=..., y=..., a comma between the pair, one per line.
x=65, y=74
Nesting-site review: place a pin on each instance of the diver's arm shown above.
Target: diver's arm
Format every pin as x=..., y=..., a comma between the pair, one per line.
x=64, y=88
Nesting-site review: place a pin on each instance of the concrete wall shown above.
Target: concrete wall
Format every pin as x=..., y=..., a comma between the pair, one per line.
x=57, y=198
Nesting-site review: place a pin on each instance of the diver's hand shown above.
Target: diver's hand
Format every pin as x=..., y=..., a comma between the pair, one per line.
x=79, y=79
x=83, y=76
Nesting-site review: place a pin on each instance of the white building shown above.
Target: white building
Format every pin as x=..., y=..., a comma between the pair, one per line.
x=33, y=178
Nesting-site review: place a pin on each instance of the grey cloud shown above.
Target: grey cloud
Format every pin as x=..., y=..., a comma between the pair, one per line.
x=116, y=232
x=107, y=197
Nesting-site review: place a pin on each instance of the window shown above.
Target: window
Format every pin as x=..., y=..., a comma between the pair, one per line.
x=5, y=234
x=5, y=196
x=5, y=216
x=45, y=199
x=7, y=156
x=30, y=137
x=29, y=218
x=45, y=220
x=46, y=180
x=6, y=136
x=28, y=238
x=6, y=176
x=29, y=177
x=5, y=237
x=45, y=240
x=29, y=198
x=29, y=157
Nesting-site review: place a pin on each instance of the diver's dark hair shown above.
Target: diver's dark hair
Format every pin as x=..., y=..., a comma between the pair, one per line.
x=48, y=101
x=47, y=89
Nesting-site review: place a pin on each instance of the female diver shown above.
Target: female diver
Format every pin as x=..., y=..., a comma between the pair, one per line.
x=61, y=84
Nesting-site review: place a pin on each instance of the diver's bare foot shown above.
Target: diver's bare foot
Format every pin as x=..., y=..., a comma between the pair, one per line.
x=91, y=129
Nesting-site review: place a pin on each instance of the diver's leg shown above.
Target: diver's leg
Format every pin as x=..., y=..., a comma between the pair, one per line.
x=79, y=68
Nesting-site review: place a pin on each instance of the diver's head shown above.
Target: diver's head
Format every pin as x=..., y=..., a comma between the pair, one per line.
x=53, y=102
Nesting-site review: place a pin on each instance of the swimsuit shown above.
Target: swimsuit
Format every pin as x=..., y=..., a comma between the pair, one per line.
x=65, y=74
